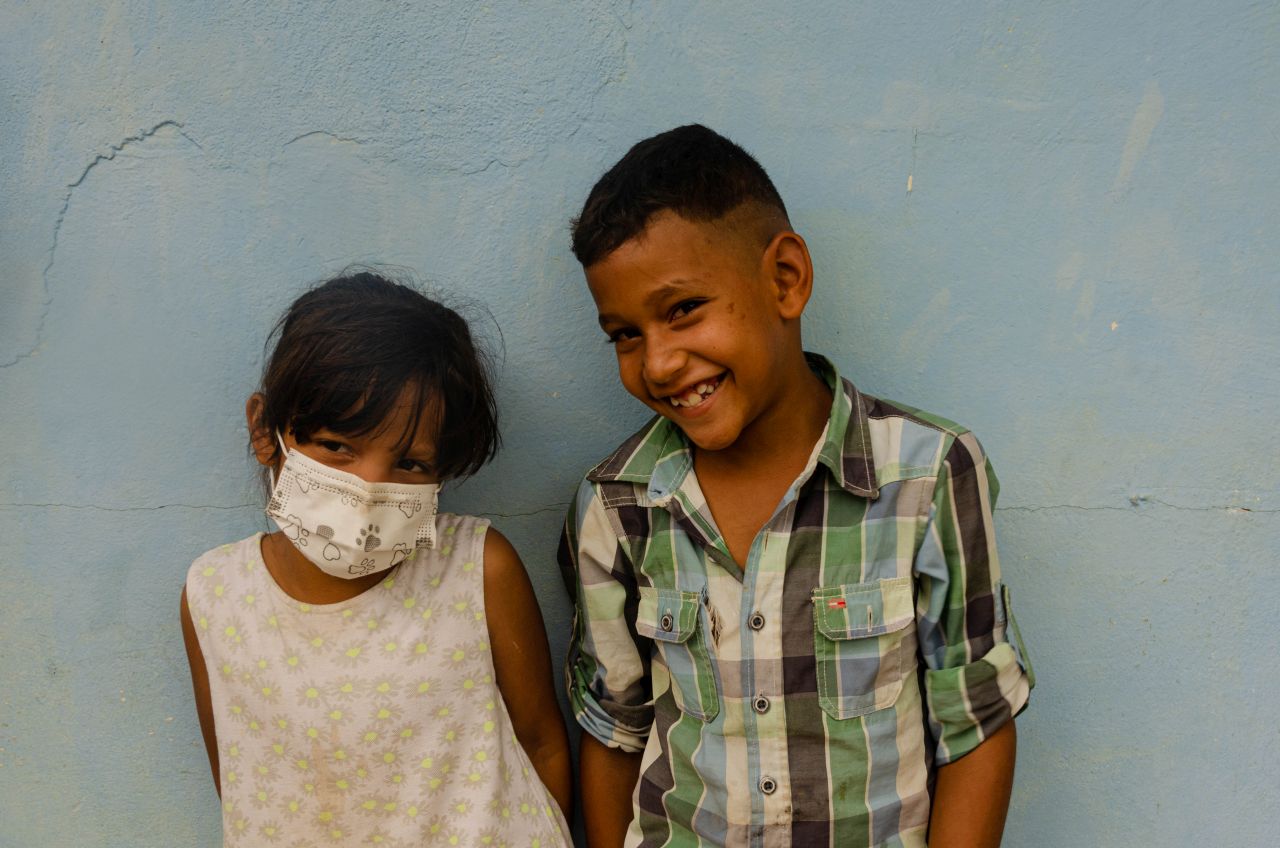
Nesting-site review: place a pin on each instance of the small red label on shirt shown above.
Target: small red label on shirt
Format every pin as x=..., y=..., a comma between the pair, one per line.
x=836, y=603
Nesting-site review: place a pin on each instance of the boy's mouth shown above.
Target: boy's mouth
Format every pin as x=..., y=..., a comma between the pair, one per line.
x=696, y=395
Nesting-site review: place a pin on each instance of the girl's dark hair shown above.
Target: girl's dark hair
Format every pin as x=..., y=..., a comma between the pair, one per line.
x=347, y=349
x=691, y=170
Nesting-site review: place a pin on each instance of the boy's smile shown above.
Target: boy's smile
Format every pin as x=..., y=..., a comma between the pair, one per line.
x=703, y=332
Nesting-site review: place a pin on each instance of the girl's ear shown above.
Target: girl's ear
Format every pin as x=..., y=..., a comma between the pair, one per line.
x=788, y=265
x=261, y=439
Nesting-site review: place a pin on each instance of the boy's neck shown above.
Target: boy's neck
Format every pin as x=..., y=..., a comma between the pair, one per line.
x=744, y=483
x=790, y=427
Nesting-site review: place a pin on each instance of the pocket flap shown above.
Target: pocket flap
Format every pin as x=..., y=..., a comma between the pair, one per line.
x=667, y=615
x=859, y=610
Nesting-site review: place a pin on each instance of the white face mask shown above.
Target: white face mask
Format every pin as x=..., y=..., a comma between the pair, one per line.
x=347, y=527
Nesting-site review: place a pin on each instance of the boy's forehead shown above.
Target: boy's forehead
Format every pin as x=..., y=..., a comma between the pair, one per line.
x=671, y=247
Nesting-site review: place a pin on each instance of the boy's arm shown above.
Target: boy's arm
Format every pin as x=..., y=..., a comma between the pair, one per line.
x=607, y=673
x=522, y=665
x=972, y=794
x=977, y=675
x=608, y=777
x=200, y=685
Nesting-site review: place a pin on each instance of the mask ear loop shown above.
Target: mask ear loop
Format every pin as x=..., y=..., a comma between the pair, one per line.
x=276, y=502
x=426, y=537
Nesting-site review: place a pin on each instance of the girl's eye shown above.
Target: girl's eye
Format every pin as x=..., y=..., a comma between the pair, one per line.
x=331, y=445
x=415, y=466
x=684, y=307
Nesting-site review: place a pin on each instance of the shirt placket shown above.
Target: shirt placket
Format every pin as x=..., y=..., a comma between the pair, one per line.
x=764, y=708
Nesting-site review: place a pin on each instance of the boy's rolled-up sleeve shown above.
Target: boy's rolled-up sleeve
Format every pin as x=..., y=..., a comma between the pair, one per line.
x=607, y=671
x=978, y=675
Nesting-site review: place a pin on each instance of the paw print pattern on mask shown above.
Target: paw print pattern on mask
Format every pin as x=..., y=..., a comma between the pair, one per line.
x=399, y=553
x=368, y=538
x=295, y=531
x=365, y=566
x=410, y=508
x=304, y=482
x=331, y=551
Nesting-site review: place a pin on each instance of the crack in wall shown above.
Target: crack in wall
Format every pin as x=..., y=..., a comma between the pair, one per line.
x=556, y=507
x=102, y=508
x=1135, y=504
x=342, y=138
x=111, y=153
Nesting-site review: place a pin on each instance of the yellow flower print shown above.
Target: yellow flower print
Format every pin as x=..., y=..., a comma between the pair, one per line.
x=233, y=633
x=460, y=606
x=308, y=696
x=351, y=655
x=386, y=711
x=261, y=798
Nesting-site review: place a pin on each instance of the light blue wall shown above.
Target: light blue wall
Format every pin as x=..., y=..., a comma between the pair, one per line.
x=1054, y=222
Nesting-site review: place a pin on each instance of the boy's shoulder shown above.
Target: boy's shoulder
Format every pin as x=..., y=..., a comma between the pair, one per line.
x=888, y=438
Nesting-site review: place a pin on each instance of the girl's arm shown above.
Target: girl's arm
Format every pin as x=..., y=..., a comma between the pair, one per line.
x=200, y=683
x=522, y=663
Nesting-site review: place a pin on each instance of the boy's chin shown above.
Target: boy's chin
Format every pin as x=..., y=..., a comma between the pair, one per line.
x=704, y=438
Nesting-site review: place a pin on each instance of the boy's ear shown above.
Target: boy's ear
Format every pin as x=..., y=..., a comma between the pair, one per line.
x=787, y=264
x=261, y=439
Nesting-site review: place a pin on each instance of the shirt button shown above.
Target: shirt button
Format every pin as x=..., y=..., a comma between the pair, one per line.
x=756, y=621
x=761, y=704
x=768, y=785
x=667, y=621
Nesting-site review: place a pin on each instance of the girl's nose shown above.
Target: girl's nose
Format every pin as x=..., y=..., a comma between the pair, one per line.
x=371, y=469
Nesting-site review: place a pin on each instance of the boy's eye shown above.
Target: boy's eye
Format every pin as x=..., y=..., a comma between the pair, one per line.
x=625, y=334
x=684, y=307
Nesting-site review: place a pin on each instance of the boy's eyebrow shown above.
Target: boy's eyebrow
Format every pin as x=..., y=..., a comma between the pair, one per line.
x=671, y=287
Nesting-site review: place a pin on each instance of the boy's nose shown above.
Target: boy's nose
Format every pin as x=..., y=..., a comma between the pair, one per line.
x=663, y=362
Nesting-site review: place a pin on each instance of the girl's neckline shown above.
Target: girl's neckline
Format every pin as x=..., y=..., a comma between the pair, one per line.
x=387, y=579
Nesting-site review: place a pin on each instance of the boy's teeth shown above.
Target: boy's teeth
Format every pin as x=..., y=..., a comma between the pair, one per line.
x=695, y=396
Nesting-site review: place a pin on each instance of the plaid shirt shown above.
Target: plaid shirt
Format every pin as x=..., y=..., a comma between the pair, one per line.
x=806, y=698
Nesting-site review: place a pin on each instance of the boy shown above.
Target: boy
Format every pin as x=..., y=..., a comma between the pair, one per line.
x=787, y=591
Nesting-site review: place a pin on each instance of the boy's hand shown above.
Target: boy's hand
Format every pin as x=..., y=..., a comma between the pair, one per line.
x=608, y=776
x=972, y=794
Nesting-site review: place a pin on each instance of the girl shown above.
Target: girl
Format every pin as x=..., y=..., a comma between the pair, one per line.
x=372, y=672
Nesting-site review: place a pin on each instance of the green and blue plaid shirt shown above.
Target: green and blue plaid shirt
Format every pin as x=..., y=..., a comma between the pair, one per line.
x=806, y=699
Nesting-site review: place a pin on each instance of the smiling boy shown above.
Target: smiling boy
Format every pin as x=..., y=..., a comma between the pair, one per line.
x=790, y=629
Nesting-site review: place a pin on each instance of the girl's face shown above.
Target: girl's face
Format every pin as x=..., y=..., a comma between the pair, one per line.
x=386, y=455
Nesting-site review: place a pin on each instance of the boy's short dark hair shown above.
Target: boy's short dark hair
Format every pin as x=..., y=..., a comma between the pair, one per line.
x=691, y=170
x=345, y=351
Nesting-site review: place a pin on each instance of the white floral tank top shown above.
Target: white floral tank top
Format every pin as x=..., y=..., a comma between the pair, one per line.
x=374, y=721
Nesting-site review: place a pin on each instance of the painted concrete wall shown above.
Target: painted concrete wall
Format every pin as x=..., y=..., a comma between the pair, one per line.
x=1053, y=222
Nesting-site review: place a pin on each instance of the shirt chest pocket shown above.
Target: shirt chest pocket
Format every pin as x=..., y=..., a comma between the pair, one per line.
x=863, y=644
x=674, y=620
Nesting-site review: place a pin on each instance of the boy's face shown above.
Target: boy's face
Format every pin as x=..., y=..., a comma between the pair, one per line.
x=694, y=316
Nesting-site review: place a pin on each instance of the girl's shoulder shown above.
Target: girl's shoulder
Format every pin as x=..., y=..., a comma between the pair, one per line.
x=451, y=528
x=226, y=558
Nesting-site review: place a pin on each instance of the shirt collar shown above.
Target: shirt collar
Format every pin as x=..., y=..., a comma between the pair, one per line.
x=659, y=455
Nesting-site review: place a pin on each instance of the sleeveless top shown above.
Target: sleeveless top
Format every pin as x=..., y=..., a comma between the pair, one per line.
x=376, y=720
